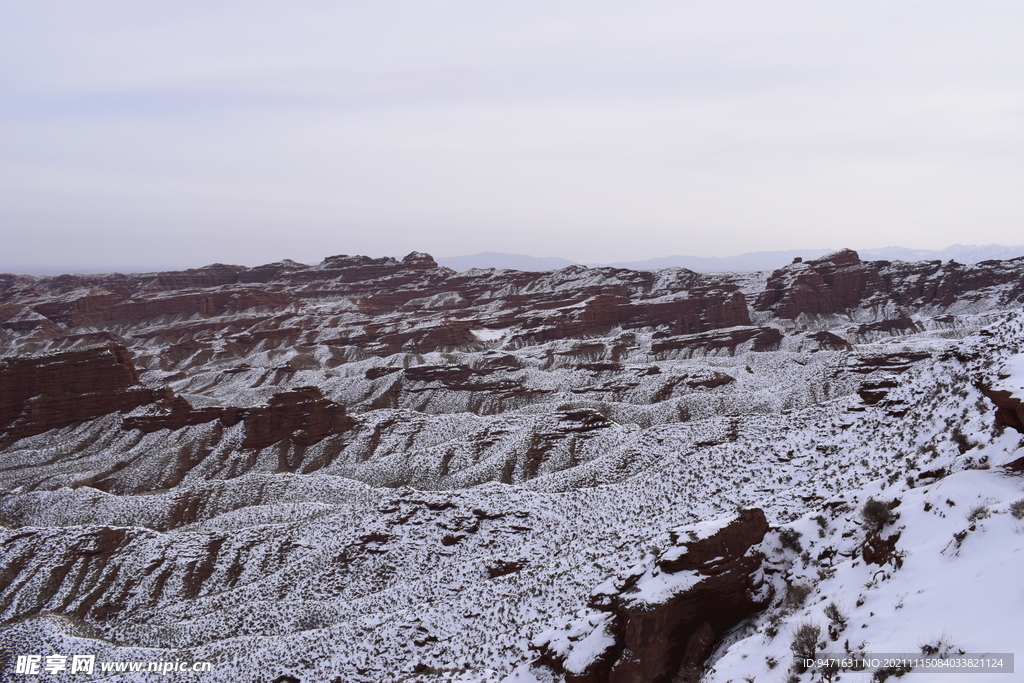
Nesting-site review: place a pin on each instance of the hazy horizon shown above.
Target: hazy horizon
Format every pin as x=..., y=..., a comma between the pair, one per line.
x=763, y=259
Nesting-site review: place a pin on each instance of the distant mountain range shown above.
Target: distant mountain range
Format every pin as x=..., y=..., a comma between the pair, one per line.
x=752, y=261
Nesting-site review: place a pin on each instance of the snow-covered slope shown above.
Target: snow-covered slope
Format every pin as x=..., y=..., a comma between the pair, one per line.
x=938, y=573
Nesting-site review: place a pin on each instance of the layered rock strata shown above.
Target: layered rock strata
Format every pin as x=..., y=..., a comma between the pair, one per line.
x=51, y=391
x=660, y=621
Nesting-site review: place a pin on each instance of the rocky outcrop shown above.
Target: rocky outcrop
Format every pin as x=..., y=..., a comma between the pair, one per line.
x=841, y=282
x=1009, y=408
x=891, y=326
x=873, y=391
x=866, y=363
x=879, y=549
x=26, y=320
x=826, y=341
x=174, y=412
x=51, y=391
x=301, y=416
x=938, y=284
x=98, y=307
x=660, y=621
x=385, y=339
x=727, y=342
x=698, y=311
x=829, y=285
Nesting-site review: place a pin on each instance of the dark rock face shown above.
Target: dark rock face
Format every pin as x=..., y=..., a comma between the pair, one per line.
x=57, y=390
x=700, y=311
x=729, y=543
x=98, y=307
x=302, y=416
x=676, y=637
x=879, y=549
x=176, y=412
x=503, y=568
x=933, y=283
x=1009, y=408
x=842, y=282
x=824, y=286
x=417, y=260
x=727, y=341
x=668, y=638
x=53, y=391
x=830, y=342
x=889, y=362
x=873, y=391
x=891, y=326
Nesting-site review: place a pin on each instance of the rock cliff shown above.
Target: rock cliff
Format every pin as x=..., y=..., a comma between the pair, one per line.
x=54, y=390
x=658, y=622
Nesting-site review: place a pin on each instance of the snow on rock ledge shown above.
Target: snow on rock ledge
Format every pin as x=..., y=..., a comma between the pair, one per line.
x=662, y=618
x=1008, y=397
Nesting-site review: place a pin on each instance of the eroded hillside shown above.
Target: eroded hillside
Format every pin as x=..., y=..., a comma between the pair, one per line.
x=383, y=470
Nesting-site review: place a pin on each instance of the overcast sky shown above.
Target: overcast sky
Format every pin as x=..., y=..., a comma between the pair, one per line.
x=138, y=135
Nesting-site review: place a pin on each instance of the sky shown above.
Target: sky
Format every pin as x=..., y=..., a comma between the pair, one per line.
x=138, y=136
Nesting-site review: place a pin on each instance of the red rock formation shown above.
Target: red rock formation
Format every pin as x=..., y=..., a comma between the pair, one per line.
x=1009, y=408
x=697, y=311
x=825, y=286
x=873, y=391
x=933, y=283
x=901, y=325
x=827, y=341
x=20, y=319
x=670, y=639
x=759, y=338
x=395, y=294
x=889, y=362
x=674, y=638
x=214, y=275
x=52, y=391
x=301, y=416
x=175, y=412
